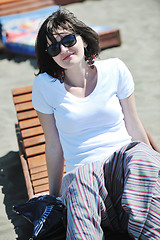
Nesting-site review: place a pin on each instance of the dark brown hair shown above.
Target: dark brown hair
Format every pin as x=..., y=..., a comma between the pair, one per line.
x=66, y=20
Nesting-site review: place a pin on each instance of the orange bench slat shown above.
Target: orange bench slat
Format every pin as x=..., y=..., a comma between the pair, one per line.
x=32, y=141
x=39, y=175
x=39, y=182
x=30, y=132
x=8, y=1
x=23, y=98
x=26, y=5
x=21, y=90
x=32, y=151
x=38, y=169
x=109, y=39
x=26, y=115
x=41, y=188
x=24, y=106
x=29, y=123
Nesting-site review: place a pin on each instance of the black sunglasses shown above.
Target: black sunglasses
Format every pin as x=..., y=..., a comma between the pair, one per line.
x=68, y=41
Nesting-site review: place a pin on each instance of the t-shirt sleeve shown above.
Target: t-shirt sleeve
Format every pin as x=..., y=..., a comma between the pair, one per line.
x=125, y=81
x=39, y=97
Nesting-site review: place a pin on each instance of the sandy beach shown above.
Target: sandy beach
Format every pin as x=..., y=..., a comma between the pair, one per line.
x=139, y=24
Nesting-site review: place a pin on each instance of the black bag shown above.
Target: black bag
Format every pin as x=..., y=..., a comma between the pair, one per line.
x=47, y=214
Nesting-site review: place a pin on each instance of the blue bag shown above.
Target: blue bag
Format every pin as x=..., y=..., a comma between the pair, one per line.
x=47, y=214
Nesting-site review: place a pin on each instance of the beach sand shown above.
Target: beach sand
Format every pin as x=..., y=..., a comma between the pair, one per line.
x=139, y=24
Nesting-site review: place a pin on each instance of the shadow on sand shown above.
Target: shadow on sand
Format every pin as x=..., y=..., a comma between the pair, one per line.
x=14, y=191
x=17, y=57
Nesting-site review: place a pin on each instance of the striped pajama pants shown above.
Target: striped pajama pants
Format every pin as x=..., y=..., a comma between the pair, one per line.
x=122, y=193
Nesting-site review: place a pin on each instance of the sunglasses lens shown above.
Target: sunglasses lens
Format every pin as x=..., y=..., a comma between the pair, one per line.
x=53, y=50
x=69, y=41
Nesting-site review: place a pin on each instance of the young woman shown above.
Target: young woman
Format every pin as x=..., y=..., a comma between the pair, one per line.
x=88, y=114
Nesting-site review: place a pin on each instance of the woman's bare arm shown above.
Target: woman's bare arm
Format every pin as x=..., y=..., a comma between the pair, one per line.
x=132, y=121
x=54, y=153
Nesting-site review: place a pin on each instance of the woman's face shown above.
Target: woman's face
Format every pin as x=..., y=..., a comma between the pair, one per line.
x=69, y=56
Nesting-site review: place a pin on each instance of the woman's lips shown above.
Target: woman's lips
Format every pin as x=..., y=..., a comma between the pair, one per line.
x=68, y=56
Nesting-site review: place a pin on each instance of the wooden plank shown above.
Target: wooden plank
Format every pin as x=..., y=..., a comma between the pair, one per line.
x=28, y=142
x=23, y=98
x=109, y=39
x=38, y=164
x=41, y=188
x=29, y=123
x=39, y=182
x=9, y=4
x=39, y=175
x=36, y=150
x=24, y=164
x=64, y=2
x=36, y=161
x=38, y=169
x=43, y=168
x=24, y=6
x=21, y=90
x=8, y=1
x=30, y=132
x=27, y=177
x=24, y=106
x=11, y=7
x=26, y=115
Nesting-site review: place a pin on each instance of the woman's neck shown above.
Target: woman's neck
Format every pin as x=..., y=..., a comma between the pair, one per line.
x=81, y=82
x=79, y=75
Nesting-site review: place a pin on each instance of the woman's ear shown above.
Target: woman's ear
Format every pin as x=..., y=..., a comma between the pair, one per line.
x=85, y=44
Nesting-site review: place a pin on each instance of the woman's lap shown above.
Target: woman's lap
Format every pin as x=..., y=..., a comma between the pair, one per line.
x=123, y=193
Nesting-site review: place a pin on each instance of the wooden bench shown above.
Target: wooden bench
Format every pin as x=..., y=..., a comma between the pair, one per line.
x=31, y=143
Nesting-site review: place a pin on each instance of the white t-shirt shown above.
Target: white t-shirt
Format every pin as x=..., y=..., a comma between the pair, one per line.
x=90, y=128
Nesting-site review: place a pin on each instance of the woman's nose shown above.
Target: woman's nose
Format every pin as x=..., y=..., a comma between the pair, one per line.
x=63, y=48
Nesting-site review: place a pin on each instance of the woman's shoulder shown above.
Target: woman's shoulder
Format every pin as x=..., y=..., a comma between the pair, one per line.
x=43, y=77
x=109, y=62
x=42, y=80
x=110, y=65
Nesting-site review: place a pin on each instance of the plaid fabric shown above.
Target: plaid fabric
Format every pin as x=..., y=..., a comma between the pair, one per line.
x=122, y=193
